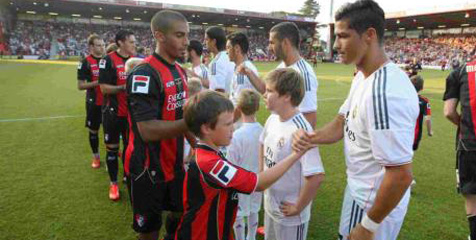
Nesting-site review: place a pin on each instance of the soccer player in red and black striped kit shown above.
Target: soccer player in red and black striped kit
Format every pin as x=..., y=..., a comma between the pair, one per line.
x=157, y=90
x=212, y=182
x=112, y=79
x=425, y=112
x=88, y=75
x=461, y=88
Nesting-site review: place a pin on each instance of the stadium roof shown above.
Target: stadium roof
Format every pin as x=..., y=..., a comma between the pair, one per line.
x=130, y=10
x=452, y=19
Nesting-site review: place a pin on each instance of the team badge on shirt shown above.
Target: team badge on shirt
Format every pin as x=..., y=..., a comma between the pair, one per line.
x=281, y=143
x=102, y=63
x=80, y=65
x=140, y=84
x=354, y=113
x=223, y=172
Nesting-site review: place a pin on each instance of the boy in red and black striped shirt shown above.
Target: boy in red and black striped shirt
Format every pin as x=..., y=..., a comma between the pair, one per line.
x=425, y=112
x=212, y=183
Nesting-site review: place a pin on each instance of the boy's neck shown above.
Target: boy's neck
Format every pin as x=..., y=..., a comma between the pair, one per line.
x=196, y=62
x=287, y=112
x=208, y=142
x=248, y=119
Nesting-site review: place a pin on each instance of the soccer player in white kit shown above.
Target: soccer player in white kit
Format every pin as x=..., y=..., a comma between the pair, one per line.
x=237, y=47
x=220, y=68
x=199, y=70
x=287, y=202
x=284, y=41
x=377, y=122
x=243, y=151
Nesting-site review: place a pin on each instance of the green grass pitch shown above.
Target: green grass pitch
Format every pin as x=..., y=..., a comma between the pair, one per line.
x=49, y=191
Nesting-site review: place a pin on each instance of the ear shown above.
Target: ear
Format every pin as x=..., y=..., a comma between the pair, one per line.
x=159, y=36
x=370, y=35
x=205, y=129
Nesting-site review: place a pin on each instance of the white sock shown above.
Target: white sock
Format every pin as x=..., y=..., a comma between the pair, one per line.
x=239, y=227
x=252, y=226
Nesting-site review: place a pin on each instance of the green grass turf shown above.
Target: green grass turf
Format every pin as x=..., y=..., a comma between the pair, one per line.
x=49, y=191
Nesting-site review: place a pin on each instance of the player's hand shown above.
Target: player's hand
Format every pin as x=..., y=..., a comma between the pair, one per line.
x=289, y=209
x=242, y=69
x=302, y=140
x=360, y=233
x=190, y=73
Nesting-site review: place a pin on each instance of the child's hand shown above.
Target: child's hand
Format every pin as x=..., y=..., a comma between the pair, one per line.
x=302, y=141
x=289, y=209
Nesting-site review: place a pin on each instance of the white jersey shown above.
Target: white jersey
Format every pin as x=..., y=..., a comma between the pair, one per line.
x=309, y=102
x=201, y=70
x=381, y=112
x=220, y=72
x=244, y=147
x=241, y=81
x=277, y=139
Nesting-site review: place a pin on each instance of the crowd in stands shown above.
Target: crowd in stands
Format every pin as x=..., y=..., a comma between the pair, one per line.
x=436, y=51
x=37, y=37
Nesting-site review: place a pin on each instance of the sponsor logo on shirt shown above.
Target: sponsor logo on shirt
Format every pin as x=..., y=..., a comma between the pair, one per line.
x=268, y=158
x=223, y=172
x=350, y=134
x=140, y=220
x=140, y=84
x=96, y=73
x=102, y=64
x=176, y=100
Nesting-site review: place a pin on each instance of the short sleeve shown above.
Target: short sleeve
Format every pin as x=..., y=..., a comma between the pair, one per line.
x=106, y=71
x=219, y=75
x=344, y=108
x=311, y=163
x=143, y=94
x=391, y=119
x=228, y=175
x=309, y=102
x=452, y=85
x=235, y=152
x=84, y=72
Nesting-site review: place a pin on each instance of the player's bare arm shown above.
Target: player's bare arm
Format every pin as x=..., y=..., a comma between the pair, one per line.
x=330, y=133
x=451, y=112
x=254, y=79
x=83, y=84
x=429, y=126
x=155, y=130
x=268, y=177
x=111, y=89
x=311, y=117
x=308, y=192
x=396, y=181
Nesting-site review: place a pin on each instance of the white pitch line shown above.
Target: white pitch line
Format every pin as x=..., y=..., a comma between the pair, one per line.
x=40, y=118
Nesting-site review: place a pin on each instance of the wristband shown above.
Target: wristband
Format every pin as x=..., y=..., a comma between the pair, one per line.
x=369, y=224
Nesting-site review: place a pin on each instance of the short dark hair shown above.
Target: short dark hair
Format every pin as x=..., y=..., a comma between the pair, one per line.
x=362, y=15
x=287, y=82
x=196, y=46
x=122, y=35
x=204, y=108
x=240, y=39
x=418, y=82
x=93, y=37
x=162, y=21
x=219, y=35
x=287, y=30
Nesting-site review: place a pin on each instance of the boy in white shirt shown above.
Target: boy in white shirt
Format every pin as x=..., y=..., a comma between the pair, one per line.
x=243, y=151
x=287, y=202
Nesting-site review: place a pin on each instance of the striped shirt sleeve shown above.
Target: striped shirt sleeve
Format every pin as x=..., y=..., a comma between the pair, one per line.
x=391, y=118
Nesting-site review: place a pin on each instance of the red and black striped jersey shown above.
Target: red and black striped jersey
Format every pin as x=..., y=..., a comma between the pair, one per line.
x=88, y=70
x=112, y=71
x=461, y=84
x=156, y=90
x=425, y=110
x=210, y=196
